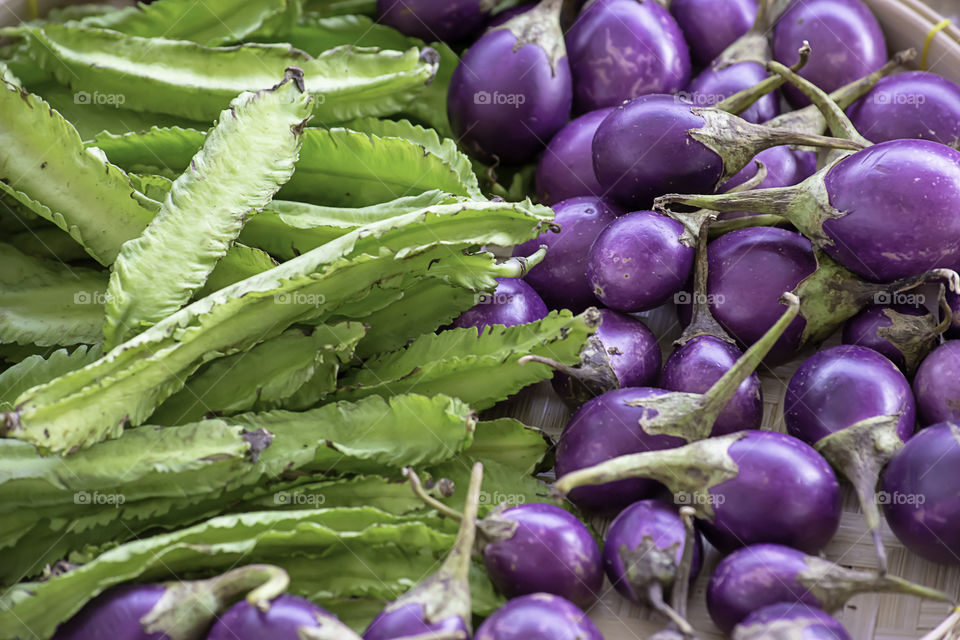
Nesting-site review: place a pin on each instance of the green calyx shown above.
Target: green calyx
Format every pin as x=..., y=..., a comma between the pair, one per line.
x=540, y=27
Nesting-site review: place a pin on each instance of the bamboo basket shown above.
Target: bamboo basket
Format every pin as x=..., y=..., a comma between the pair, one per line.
x=906, y=23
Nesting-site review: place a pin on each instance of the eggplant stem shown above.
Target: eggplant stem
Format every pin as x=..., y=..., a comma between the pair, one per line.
x=702, y=322
x=655, y=598
x=743, y=100
x=949, y=624
x=518, y=266
x=681, y=585
x=558, y=366
x=721, y=227
x=429, y=500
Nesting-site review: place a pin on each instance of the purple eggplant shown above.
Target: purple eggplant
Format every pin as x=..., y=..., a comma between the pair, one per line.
x=432, y=20
x=917, y=104
x=706, y=146
x=534, y=548
x=710, y=26
x=513, y=302
x=920, y=494
x=538, y=616
x=561, y=278
x=639, y=262
x=622, y=49
x=904, y=333
x=512, y=89
x=845, y=38
x=857, y=409
x=287, y=618
x=643, y=553
x=644, y=419
x=566, y=166
x=790, y=619
x=172, y=610
x=747, y=487
x=765, y=574
x=442, y=601
x=937, y=385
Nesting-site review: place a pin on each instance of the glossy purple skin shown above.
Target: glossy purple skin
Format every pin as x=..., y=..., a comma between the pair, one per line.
x=916, y=104
x=652, y=519
x=862, y=330
x=638, y=263
x=784, y=493
x=710, y=26
x=508, y=103
x=539, y=616
x=817, y=624
x=282, y=621
x=922, y=490
x=633, y=349
x=699, y=363
x=550, y=552
x=749, y=270
x=953, y=300
x=432, y=20
x=840, y=386
x=514, y=302
x=755, y=577
x=604, y=428
x=566, y=166
x=561, y=279
x=785, y=167
x=115, y=614
x=406, y=621
x=621, y=49
x=902, y=200
x=715, y=85
x=937, y=384
x=845, y=39
x=642, y=151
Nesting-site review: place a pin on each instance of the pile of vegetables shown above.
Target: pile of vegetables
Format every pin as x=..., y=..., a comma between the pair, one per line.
x=269, y=269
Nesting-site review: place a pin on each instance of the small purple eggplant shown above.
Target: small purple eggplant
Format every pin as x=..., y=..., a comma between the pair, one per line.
x=904, y=333
x=856, y=408
x=442, y=601
x=714, y=85
x=639, y=262
x=764, y=574
x=633, y=420
x=513, y=302
x=622, y=49
x=540, y=548
x=432, y=20
x=917, y=104
x=790, y=619
x=561, y=278
x=173, y=610
x=710, y=26
x=747, y=487
x=643, y=555
x=566, y=166
x=512, y=89
x=937, y=385
x=845, y=38
x=920, y=493
x=538, y=616
x=287, y=618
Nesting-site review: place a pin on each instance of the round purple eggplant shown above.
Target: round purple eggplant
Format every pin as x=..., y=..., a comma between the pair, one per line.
x=173, y=610
x=442, y=601
x=845, y=38
x=857, y=409
x=710, y=26
x=533, y=548
x=917, y=105
x=638, y=262
x=513, y=302
x=904, y=333
x=566, y=166
x=713, y=86
x=285, y=619
x=538, y=616
x=765, y=574
x=706, y=147
x=561, y=278
x=748, y=487
x=512, y=89
x=920, y=493
x=937, y=385
x=622, y=49
x=803, y=621
x=432, y=20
